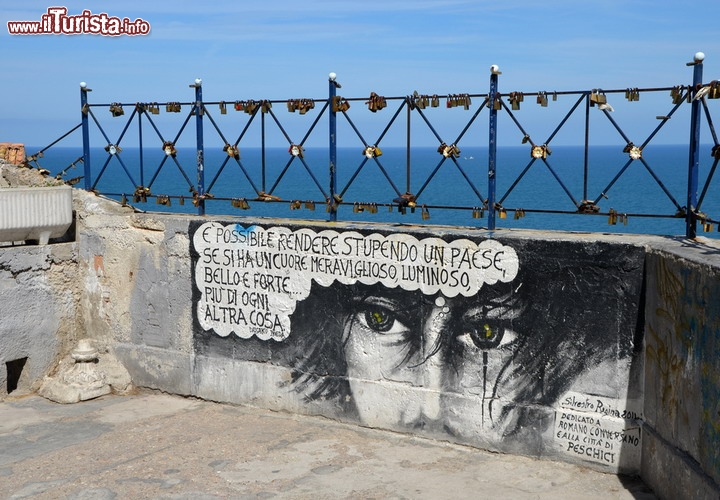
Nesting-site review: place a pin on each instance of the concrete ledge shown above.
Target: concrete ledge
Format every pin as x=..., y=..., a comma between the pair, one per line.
x=161, y=369
x=672, y=473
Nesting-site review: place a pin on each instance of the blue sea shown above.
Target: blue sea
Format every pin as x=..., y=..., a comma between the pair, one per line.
x=537, y=190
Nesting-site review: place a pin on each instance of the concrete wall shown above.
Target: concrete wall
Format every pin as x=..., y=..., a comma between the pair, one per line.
x=594, y=349
x=681, y=445
x=38, y=312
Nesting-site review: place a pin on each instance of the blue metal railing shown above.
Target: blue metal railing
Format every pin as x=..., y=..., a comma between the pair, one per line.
x=417, y=109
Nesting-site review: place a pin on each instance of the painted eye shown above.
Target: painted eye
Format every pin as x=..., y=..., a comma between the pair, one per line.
x=485, y=336
x=381, y=316
x=379, y=319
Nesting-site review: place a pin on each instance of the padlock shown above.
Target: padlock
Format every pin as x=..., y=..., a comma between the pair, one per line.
x=612, y=217
x=232, y=151
x=169, y=148
x=503, y=213
x=238, y=106
x=596, y=97
x=296, y=150
x=714, y=90
x=265, y=106
x=425, y=214
x=435, y=101
x=497, y=102
x=310, y=205
x=371, y=103
x=223, y=108
x=514, y=98
x=116, y=109
x=123, y=200
x=112, y=149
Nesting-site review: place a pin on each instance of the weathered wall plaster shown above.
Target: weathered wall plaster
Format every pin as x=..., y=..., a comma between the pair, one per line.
x=682, y=375
x=596, y=349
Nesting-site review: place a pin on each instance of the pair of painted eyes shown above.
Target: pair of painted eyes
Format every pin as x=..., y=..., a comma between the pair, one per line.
x=484, y=334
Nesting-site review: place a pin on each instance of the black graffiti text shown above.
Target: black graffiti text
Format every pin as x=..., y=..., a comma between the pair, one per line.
x=435, y=276
x=306, y=243
x=591, y=452
x=354, y=269
x=249, y=259
x=261, y=320
x=229, y=296
x=238, y=235
x=482, y=258
x=371, y=248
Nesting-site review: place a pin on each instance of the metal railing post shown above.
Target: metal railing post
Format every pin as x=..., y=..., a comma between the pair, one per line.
x=200, y=146
x=694, y=160
x=492, y=145
x=85, y=111
x=332, y=86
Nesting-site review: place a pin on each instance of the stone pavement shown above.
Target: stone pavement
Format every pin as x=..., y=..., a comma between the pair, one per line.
x=152, y=445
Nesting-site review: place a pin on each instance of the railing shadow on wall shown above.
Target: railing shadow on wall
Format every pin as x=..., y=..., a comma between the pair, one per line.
x=353, y=157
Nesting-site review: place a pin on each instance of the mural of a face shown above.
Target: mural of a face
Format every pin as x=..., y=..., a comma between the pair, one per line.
x=429, y=362
x=477, y=341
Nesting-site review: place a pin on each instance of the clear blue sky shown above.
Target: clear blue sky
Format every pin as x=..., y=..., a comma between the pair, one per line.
x=282, y=49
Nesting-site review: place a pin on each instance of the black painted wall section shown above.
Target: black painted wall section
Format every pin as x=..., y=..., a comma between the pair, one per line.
x=489, y=369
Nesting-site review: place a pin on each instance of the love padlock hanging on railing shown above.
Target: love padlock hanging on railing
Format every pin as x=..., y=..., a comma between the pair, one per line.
x=376, y=102
x=163, y=199
x=515, y=99
x=232, y=151
x=372, y=152
x=250, y=106
x=540, y=152
x=632, y=95
x=169, y=148
x=113, y=149
x=542, y=99
x=296, y=150
x=141, y=194
x=597, y=97
x=116, y=109
x=340, y=104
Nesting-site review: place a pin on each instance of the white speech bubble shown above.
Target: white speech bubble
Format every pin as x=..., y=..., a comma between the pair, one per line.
x=251, y=278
